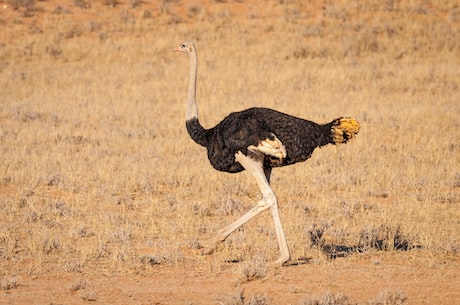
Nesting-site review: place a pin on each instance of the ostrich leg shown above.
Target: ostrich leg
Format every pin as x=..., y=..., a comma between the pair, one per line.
x=268, y=201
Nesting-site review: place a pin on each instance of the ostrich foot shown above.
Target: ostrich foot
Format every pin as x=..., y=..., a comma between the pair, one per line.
x=208, y=251
x=212, y=248
x=281, y=261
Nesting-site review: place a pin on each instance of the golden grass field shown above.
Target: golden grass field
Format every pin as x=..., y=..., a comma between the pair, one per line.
x=105, y=198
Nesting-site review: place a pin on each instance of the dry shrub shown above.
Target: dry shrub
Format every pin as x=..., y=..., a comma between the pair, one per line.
x=89, y=295
x=83, y=4
x=16, y=4
x=252, y=270
x=73, y=267
x=239, y=298
x=384, y=237
x=329, y=299
x=316, y=233
x=233, y=299
x=49, y=244
x=194, y=10
x=162, y=257
x=152, y=259
x=390, y=298
x=8, y=282
x=78, y=285
x=259, y=300
x=85, y=290
x=384, y=298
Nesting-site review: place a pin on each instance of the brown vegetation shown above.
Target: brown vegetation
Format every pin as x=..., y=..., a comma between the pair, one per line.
x=103, y=196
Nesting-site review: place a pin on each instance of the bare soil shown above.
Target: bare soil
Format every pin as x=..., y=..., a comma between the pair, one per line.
x=361, y=280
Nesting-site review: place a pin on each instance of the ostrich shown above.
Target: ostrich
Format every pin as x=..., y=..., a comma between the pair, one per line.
x=257, y=140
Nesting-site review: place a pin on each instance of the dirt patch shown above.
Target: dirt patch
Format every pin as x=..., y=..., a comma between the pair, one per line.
x=361, y=281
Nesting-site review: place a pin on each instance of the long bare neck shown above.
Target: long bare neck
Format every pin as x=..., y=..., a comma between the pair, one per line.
x=192, y=108
x=194, y=128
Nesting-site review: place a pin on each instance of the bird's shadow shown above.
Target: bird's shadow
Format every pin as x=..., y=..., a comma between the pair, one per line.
x=338, y=251
x=376, y=239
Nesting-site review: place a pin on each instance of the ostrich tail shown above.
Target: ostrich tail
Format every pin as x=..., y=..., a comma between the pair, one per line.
x=343, y=129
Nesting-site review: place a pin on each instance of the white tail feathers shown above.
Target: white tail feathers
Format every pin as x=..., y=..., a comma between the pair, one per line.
x=270, y=147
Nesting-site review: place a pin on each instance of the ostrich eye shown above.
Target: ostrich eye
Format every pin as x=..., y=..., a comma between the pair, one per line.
x=183, y=45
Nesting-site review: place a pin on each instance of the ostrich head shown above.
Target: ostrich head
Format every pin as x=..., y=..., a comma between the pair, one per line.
x=187, y=47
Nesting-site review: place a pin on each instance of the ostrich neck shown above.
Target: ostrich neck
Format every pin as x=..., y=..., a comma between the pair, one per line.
x=192, y=108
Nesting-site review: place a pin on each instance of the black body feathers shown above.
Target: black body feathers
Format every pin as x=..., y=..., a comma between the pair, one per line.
x=240, y=130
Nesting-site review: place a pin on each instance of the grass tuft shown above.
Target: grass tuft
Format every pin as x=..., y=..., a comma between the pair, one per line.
x=329, y=299
x=384, y=237
x=239, y=298
x=252, y=270
x=8, y=282
x=390, y=298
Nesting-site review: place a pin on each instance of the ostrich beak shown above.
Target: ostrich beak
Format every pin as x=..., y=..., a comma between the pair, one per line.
x=177, y=50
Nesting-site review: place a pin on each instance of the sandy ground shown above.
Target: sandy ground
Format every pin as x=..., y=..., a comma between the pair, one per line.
x=361, y=280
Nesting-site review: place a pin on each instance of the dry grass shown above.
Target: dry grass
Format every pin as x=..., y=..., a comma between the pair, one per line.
x=241, y=299
x=98, y=173
x=252, y=270
x=384, y=298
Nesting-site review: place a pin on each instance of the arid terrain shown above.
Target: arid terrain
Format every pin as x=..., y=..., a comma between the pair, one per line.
x=105, y=199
